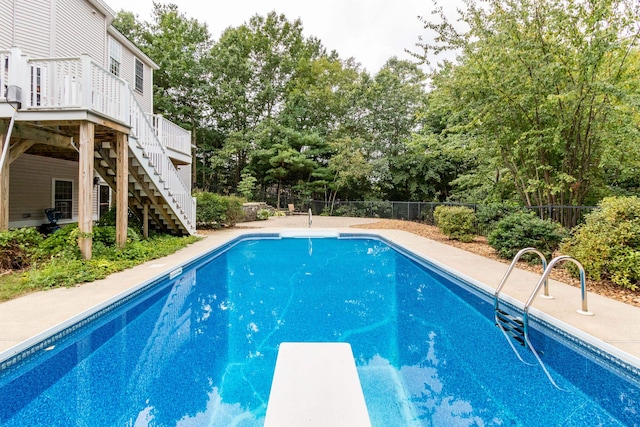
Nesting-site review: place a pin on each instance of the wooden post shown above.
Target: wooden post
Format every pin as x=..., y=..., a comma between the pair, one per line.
x=4, y=189
x=122, y=188
x=145, y=221
x=85, y=188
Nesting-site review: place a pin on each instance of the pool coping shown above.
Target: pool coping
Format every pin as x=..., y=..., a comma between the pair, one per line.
x=613, y=312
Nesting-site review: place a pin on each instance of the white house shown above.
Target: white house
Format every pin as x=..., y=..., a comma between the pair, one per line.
x=76, y=124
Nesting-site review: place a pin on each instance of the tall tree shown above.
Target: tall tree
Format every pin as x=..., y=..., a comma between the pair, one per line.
x=180, y=46
x=544, y=85
x=253, y=69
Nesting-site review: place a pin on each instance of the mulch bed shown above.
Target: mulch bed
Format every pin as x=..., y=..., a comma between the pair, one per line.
x=479, y=246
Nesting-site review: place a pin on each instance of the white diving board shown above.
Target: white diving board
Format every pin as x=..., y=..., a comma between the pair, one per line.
x=316, y=384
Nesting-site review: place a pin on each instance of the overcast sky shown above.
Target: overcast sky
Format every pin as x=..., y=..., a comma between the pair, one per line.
x=371, y=31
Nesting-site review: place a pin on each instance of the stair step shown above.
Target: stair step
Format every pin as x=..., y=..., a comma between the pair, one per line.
x=514, y=326
x=509, y=317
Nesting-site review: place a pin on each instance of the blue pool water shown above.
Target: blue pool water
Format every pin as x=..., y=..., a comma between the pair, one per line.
x=200, y=349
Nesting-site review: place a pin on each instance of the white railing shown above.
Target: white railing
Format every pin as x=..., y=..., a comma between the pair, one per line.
x=75, y=83
x=54, y=83
x=171, y=135
x=174, y=188
x=4, y=72
x=108, y=92
x=59, y=83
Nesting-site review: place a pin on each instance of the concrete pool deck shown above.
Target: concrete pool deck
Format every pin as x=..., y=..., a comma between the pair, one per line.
x=614, y=323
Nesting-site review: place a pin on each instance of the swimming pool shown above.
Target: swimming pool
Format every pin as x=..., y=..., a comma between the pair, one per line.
x=199, y=348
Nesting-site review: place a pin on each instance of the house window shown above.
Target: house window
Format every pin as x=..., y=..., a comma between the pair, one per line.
x=139, y=75
x=104, y=202
x=63, y=197
x=38, y=85
x=115, y=56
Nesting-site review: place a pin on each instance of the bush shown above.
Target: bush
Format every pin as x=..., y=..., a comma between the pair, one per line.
x=235, y=213
x=215, y=211
x=456, y=222
x=18, y=248
x=349, y=210
x=522, y=230
x=608, y=243
x=263, y=214
x=489, y=215
x=108, y=219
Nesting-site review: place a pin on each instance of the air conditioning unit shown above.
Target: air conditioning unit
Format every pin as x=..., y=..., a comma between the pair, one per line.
x=14, y=93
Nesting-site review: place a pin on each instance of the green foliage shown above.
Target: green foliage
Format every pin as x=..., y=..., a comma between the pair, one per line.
x=108, y=219
x=247, y=185
x=60, y=264
x=490, y=214
x=522, y=230
x=547, y=88
x=215, y=211
x=263, y=214
x=62, y=244
x=608, y=243
x=235, y=213
x=18, y=247
x=456, y=222
x=349, y=211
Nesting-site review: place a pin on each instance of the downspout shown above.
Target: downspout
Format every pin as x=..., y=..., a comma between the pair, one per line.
x=5, y=149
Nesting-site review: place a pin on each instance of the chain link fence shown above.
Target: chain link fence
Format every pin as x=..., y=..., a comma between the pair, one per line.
x=568, y=216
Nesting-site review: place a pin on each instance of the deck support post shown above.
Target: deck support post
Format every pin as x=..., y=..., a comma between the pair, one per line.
x=122, y=188
x=85, y=190
x=145, y=220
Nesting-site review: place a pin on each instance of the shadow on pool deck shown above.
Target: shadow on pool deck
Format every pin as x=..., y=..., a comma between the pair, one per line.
x=615, y=323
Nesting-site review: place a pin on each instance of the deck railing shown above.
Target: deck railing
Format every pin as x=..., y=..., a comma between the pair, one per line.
x=171, y=135
x=4, y=72
x=173, y=188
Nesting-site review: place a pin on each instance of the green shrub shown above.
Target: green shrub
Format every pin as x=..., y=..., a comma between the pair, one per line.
x=456, y=222
x=18, y=248
x=522, y=230
x=350, y=211
x=62, y=244
x=109, y=220
x=215, y=211
x=263, y=214
x=608, y=243
x=489, y=215
x=235, y=213
x=68, y=270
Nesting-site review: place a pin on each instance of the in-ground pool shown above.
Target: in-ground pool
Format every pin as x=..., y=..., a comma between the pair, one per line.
x=199, y=347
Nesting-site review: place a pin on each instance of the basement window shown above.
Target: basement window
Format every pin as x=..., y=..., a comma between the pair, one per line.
x=63, y=197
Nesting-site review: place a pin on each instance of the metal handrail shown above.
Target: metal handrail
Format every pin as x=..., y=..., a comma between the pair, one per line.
x=583, y=291
x=512, y=266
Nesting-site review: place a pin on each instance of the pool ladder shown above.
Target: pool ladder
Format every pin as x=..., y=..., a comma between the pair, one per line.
x=517, y=327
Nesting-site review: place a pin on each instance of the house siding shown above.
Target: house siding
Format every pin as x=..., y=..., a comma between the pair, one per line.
x=6, y=29
x=127, y=72
x=80, y=29
x=33, y=27
x=30, y=188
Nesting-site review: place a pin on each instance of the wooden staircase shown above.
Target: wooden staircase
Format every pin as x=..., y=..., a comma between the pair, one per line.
x=147, y=186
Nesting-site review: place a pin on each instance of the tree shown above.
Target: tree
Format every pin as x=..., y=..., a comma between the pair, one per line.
x=253, y=67
x=544, y=86
x=180, y=46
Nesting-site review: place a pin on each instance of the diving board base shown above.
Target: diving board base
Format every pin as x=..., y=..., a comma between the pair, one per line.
x=316, y=384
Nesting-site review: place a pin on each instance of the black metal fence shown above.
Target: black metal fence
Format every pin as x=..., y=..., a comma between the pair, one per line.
x=568, y=216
